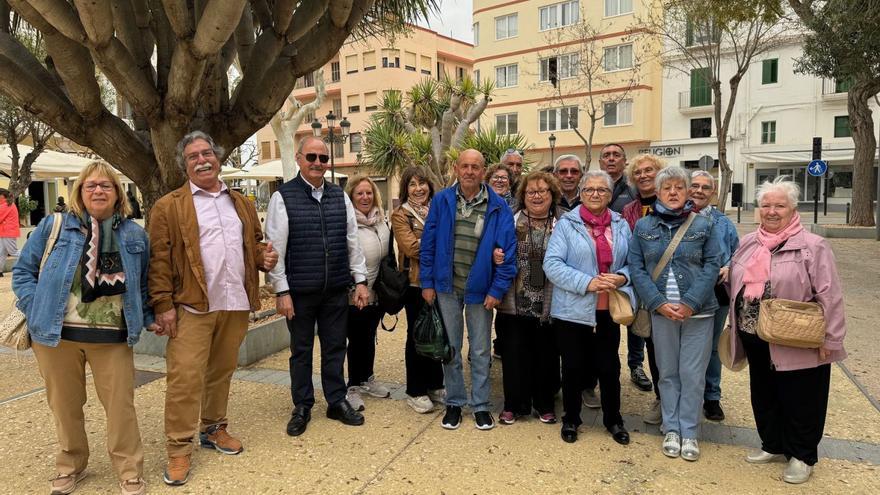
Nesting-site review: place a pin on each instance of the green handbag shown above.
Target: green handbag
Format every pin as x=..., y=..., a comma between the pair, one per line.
x=429, y=335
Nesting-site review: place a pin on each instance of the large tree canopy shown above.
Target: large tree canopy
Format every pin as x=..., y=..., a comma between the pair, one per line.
x=169, y=61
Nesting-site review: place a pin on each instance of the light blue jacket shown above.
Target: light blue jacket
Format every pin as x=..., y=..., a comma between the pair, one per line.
x=570, y=263
x=42, y=297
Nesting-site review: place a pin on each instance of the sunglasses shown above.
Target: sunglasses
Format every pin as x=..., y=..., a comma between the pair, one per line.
x=313, y=157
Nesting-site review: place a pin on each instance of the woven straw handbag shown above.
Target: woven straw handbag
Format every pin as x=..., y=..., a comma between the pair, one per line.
x=792, y=323
x=13, y=328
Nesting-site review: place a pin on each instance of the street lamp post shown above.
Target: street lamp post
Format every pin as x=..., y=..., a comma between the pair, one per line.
x=332, y=138
x=552, y=140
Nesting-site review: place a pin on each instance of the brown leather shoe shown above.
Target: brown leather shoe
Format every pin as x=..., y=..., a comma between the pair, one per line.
x=63, y=484
x=216, y=437
x=177, y=472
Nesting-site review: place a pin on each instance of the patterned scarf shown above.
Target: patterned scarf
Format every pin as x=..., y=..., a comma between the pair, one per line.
x=101, y=263
x=597, y=224
x=420, y=209
x=758, y=268
x=367, y=220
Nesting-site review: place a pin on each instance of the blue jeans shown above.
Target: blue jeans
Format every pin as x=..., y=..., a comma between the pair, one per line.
x=479, y=325
x=713, y=372
x=682, y=349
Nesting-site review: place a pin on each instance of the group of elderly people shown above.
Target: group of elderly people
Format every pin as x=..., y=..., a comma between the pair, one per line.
x=581, y=238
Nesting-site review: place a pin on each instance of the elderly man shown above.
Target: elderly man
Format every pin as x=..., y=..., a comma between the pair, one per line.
x=612, y=159
x=313, y=225
x=513, y=158
x=701, y=191
x=465, y=224
x=569, y=170
x=206, y=248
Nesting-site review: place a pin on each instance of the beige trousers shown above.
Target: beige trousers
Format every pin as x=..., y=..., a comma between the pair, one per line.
x=200, y=361
x=63, y=369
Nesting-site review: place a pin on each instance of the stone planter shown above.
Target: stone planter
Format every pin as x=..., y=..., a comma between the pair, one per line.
x=843, y=231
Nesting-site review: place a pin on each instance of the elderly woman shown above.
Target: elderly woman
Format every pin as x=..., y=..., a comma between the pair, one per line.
x=500, y=178
x=424, y=376
x=789, y=385
x=700, y=193
x=641, y=173
x=586, y=259
x=530, y=369
x=9, y=228
x=682, y=303
x=374, y=237
x=89, y=305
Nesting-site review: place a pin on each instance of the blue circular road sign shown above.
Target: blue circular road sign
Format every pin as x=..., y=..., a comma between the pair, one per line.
x=817, y=168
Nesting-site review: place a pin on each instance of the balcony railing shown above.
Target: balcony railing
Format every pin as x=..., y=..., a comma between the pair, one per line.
x=835, y=87
x=695, y=99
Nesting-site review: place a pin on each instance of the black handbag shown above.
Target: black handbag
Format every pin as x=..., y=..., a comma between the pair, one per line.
x=391, y=284
x=429, y=335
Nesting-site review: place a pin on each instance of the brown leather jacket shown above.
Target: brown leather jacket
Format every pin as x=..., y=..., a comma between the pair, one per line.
x=176, y=273
x=408, y=233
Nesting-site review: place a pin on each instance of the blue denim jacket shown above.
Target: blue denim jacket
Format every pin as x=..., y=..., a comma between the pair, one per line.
x=43, y=299
x=696, y=262
x=729, y=235
x=570, y=263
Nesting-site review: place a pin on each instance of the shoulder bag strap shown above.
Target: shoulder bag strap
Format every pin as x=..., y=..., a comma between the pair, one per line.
x=57, y=220
x=667, y=255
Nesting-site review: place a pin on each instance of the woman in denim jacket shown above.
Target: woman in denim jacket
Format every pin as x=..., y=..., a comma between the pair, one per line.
x=682, y=303
x=89, y=305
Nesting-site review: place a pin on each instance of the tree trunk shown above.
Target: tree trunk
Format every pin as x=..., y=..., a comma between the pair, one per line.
x=862, y=125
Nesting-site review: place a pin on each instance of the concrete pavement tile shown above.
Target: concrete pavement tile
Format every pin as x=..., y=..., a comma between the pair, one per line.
x=20, y=374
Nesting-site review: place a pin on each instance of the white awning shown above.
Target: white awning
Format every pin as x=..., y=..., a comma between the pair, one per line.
x=803, y=157
x=270, y=170
x=50, y=164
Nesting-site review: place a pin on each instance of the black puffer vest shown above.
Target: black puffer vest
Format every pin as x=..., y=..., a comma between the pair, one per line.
x=317, y=252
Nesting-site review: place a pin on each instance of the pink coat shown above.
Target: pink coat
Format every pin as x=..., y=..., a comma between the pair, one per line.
x=804, y=266
x=9, y=220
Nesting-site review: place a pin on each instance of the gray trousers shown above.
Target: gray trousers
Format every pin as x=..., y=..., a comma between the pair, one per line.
x=682, y=349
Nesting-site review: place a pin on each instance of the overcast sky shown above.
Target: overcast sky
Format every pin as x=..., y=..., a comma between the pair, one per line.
x=454, y=19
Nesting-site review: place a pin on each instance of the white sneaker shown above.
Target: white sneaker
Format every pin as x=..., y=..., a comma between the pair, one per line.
x=373, y=388
x=421, y=404
x=690, y=449
x=354, y=398
x=437, y=396
x=654, y=415
x=797, y=472
x=672, y=444
x=760, y=457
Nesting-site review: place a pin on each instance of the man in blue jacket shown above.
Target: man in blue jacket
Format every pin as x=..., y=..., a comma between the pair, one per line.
x=465, y=224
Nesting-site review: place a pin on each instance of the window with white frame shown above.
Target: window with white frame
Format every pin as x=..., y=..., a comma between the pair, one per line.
x=506, y=26
x=559, y=15
x=476, y=34
x=618, y=113
x=477, y=76
x=618, y=57
x=558, y=67
x=558, y=119
x=506, y=123
x=506, y=76
x=618, y=7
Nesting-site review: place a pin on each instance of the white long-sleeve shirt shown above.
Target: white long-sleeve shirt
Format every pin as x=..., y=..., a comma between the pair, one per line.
x=277, y=229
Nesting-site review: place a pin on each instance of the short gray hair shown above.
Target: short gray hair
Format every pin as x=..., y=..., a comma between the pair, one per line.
x=597, y=173
x=510, y=153
x=189, y=139
x=782, y=184
x=703, y=173
x=672, y=173
x=303, y=141
x=568, y=158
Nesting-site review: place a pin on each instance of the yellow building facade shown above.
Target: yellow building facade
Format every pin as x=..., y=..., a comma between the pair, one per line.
x=532, y=50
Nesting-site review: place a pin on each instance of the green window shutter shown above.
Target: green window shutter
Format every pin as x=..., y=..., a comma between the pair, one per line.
x=701, y=93
x=770, y=71
x=841, y=126
x=842, y=85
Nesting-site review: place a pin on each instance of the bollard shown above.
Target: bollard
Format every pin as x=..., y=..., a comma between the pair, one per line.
x=847, y=213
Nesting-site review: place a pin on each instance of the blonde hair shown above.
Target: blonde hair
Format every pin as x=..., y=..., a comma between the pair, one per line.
x=377, y=196
x=637, y=160
x=77, y=207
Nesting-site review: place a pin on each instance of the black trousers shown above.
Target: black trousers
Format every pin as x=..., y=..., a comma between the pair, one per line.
x=575, y=342
x=422, y=373
x=789, y=406
x=362, y=325
x=652, y=365
x=330, y=311
x=530, y=367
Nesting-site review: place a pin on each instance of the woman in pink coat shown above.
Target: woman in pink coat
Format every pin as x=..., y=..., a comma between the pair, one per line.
x=789, y=385
x=9, y=230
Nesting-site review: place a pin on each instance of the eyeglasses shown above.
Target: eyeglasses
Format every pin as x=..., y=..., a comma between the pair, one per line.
x=601, y=191
x=499, y=178
x=644, y=171
x=533, y=193
x=698, y=187
x=91, y=186
x=208, y=153
x=313, y=157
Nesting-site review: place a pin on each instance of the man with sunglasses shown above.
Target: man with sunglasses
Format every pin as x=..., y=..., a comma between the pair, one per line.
x=313, y=226
x=513, y=158
x=568, y=169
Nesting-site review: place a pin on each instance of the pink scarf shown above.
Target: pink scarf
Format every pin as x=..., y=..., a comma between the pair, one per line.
x=597, y=225
x=758, y=269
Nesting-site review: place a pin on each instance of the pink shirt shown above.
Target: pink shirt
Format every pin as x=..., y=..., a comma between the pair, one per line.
x=222, y=248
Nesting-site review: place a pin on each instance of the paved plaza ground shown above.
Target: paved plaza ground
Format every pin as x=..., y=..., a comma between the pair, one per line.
x=400, y=452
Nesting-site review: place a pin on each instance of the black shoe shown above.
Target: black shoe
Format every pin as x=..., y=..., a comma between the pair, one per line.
x=299, y=420
x=345, y=414
x=452, y=418
x=712, y=410
x=640, y=379
x=483, y=420
x=569, y=432
x=619, y=434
